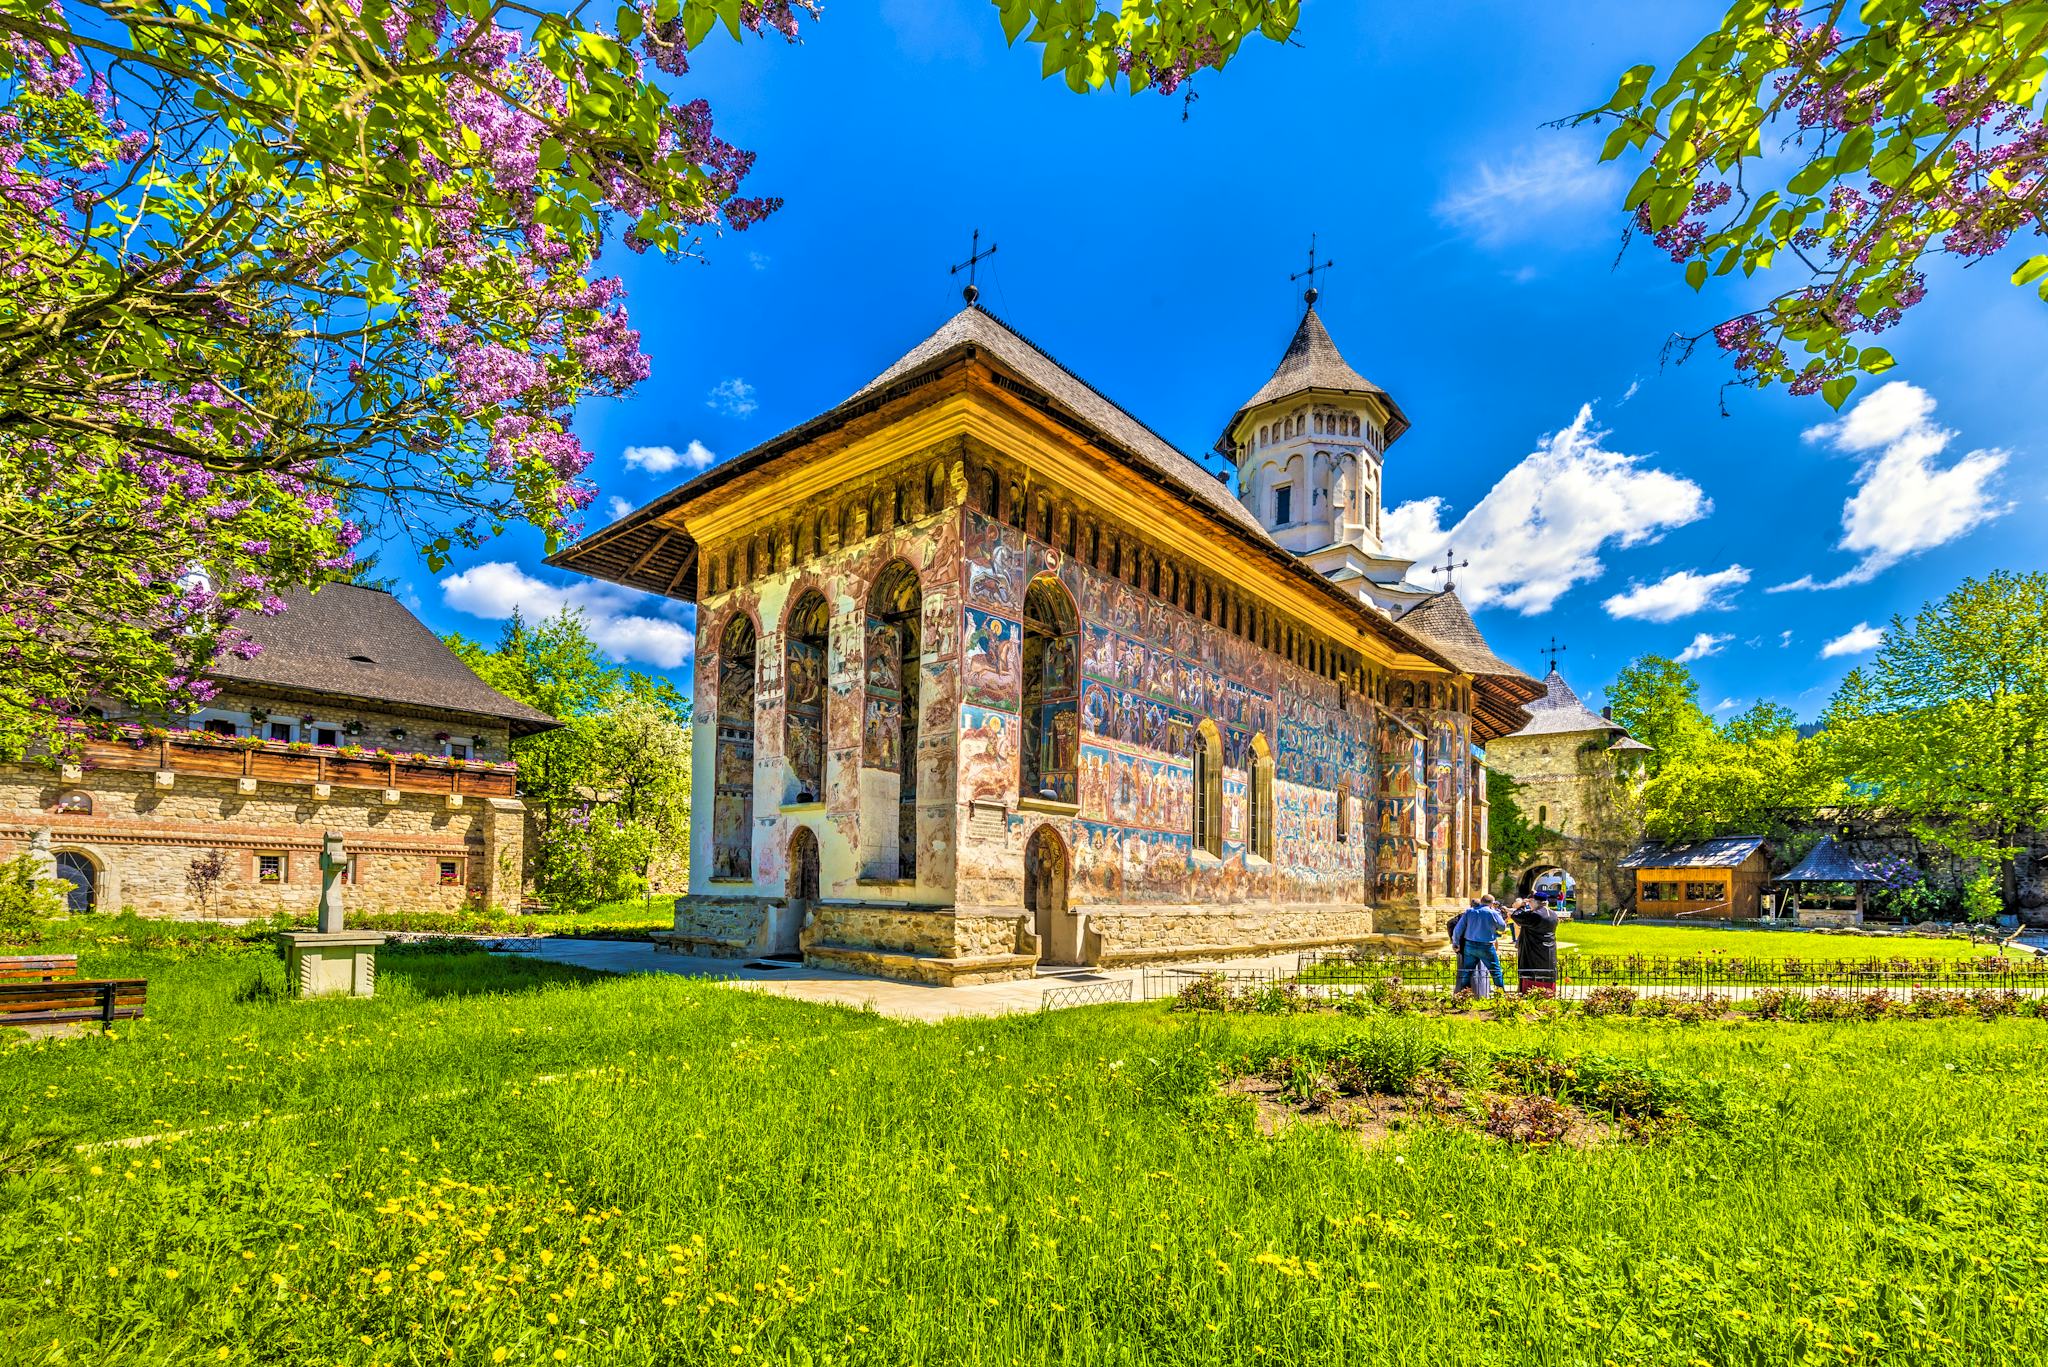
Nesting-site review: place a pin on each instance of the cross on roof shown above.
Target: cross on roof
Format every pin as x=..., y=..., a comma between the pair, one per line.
x=1450, y=566
x=1310, y=294
x=1553, y=650
x=975, y=256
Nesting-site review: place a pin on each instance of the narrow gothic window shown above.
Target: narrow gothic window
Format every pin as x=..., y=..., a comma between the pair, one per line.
x=890, y=721
x=1208, y=789
x=1344, y=810
x=732, y=802
x=1051, y=691
x=1260, y=799
x=1283, y=505
x=803, y=682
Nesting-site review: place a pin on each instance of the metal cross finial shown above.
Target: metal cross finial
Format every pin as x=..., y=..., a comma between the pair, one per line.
x=1310, y=294
x=1553, y=650
x=1450, y=566
x=975, y=256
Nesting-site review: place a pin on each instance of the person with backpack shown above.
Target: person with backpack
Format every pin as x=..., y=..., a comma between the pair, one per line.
x=1473, y=934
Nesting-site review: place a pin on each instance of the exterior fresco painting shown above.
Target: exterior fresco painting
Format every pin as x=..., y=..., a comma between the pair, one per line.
x=1149, y=674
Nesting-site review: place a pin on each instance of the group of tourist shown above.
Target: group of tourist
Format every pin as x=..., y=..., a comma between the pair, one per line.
x=1475, y=933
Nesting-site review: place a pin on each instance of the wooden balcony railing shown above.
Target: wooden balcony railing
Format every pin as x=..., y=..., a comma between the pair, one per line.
x=276, y=762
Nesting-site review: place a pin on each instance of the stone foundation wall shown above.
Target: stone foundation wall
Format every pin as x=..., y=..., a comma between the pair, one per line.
x=1128, y=935
x=142, y=839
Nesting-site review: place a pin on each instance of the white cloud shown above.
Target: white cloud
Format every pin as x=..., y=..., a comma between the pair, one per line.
x=734, y=398
x=1541, y=529
x=1676, y=595
x=1703, y=645
x=496, y=588
x=1726, y=705
x=758, y=260
x=1855, y=641
x=1633, y=387
x=1784, y=639
x=618, y=507
x=1905, y=502
x=660, y=460
x=1535, y=188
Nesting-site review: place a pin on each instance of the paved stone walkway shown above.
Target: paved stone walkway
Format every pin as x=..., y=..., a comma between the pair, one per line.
x=904, y=1001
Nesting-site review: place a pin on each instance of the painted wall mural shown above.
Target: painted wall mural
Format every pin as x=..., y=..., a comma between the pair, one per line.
x=1149, y=673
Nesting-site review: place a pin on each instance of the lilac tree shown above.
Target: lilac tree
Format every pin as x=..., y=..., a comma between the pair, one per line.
x=272, y=271
x=1847, y=144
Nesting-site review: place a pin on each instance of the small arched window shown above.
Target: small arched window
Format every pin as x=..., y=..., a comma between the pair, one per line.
x=77, y=804
x=1260, y=799
x=1344, y=810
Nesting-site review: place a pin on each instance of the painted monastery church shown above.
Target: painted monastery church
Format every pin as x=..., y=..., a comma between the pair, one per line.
x=990, y=676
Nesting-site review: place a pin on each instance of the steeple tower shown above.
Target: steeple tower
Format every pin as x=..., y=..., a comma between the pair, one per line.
x=1309, y=448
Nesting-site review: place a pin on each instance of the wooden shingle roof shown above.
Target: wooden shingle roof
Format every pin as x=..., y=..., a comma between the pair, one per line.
x=365, y=645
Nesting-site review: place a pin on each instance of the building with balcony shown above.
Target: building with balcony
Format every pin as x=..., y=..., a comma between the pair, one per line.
x=354, y=717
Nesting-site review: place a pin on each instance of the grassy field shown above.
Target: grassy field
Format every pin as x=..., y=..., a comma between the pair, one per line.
x=499, y=1161
x=1595, y=938
x=609, y=920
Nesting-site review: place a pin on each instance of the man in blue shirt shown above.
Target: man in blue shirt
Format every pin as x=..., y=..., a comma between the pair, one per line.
x=1473, y=933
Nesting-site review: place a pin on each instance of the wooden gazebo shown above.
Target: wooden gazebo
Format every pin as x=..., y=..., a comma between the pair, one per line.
x=1815, y=886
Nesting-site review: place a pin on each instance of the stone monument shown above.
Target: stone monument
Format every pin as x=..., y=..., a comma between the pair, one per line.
x=331, y=961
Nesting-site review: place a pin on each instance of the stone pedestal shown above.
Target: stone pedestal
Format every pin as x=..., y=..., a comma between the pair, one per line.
x=340, y=963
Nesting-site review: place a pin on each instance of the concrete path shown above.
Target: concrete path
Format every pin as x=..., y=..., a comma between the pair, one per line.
x=904, y=1001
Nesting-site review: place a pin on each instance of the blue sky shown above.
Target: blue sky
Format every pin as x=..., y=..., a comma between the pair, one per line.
x=1600, y=493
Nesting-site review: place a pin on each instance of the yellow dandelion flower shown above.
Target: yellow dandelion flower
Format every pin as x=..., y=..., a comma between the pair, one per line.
x=437, y=1275
x=497, y=1354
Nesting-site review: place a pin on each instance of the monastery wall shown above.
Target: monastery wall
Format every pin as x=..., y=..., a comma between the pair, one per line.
x=142, y=838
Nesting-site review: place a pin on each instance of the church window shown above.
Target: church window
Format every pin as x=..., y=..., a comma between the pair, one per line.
x=1262, y=435
x=1344, y=810
x=935, y=489
x=732, y=802
x=1259, y=802
x=803, y=682
x=890, y=720
x=270, y=868
x=1283, y=505
x=1208, y=803
x=1052, y=719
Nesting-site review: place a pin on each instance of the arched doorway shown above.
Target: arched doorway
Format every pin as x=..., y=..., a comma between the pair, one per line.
x=81, y=878
x=1546, y=879
x=1045, y=897
x=786, y=932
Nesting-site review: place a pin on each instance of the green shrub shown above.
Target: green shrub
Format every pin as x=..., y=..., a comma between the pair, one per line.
x=27, y=902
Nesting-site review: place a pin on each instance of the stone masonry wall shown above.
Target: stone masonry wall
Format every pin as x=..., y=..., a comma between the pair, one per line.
x=142, y=840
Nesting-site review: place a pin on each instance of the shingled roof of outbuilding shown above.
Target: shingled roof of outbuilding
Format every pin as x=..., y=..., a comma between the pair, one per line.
x=1719, y=852
x=1832, y=862
x=1560, y=713
x=363, y=644
x=1312, y=362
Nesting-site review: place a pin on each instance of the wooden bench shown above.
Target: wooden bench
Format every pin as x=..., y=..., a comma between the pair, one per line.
x=37, y=968
x=45, y=989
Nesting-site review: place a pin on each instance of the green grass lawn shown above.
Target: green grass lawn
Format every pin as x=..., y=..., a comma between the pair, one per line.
x=608, y=920
x=1597, y=938
x=504, y=1161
